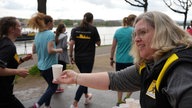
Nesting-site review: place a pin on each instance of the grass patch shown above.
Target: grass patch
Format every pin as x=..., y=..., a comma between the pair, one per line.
x=34, y=70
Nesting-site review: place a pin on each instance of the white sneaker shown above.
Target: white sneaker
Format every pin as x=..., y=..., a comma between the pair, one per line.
x=88, y=99
x=72, y=106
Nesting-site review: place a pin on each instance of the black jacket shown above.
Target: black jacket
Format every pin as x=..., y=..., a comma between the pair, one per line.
x=164, y=87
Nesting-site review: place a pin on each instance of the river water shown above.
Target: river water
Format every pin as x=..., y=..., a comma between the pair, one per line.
x=106, y=35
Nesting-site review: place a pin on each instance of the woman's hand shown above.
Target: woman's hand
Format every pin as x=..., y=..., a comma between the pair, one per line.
x=67, y=77
x=27, y=57
x=22, y=72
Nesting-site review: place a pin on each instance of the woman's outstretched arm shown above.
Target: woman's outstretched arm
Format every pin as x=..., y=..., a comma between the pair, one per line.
x=127, y=79
x=94, y=80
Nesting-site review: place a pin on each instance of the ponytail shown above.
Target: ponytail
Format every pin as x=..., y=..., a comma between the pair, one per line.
x=87, y=19
x=39, y=21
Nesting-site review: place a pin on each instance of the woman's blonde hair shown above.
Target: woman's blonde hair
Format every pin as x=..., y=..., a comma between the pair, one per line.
x=168, y=35
x=39, y=21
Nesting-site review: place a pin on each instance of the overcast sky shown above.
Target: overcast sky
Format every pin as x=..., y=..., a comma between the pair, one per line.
x=75, y=9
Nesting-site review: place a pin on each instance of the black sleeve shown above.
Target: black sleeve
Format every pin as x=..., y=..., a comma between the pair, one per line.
x=72, y=37
x=3, y=64
x=7, y=54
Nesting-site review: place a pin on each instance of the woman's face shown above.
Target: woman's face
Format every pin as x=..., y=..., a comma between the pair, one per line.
x=63, y=29
x=143, y=37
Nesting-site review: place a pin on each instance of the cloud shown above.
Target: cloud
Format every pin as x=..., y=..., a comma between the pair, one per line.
x=18, y=4
x=8, y=5
x=105, y=3
x=75, y=9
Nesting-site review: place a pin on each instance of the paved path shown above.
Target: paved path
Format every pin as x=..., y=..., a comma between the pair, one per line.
x=101, y=98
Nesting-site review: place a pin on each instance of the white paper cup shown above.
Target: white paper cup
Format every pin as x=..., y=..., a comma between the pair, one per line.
x=57, y=70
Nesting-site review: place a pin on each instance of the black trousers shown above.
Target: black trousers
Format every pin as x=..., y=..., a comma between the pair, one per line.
x=83, y=68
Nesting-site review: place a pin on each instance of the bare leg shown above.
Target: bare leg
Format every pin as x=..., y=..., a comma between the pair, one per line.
x=119, y=98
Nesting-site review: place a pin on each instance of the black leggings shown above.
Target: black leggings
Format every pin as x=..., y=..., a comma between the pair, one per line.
x=83, y=68
x=46, y=97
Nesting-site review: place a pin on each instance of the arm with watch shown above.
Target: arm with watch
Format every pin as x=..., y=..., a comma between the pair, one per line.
x=113, y=47
x=25, y=58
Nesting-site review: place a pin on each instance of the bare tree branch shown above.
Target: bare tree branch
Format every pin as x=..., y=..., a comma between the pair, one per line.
x=138, y=3
x=184, y=6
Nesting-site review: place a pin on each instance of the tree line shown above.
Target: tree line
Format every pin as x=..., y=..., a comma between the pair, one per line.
x=97, y=22
x=72, y=23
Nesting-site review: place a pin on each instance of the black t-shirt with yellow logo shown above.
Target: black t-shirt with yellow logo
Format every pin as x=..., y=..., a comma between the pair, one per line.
x=85, y=40
x=9, y=59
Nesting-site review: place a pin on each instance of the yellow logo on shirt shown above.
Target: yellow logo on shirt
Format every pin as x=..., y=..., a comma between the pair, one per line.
x=81, y=36
x=16, y=57
x=151, y=89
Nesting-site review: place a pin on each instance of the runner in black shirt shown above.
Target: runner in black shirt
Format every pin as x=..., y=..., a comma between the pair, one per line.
x=84, y=38
x=10, y=29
